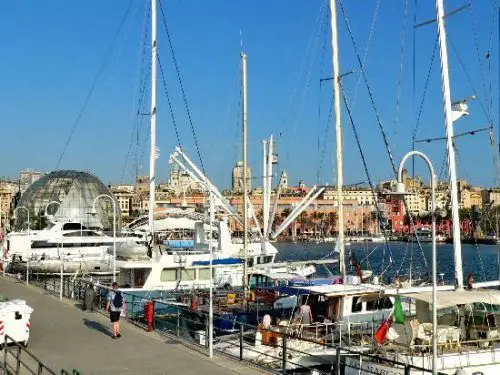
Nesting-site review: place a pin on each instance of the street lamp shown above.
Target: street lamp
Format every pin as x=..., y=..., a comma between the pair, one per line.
x=29, y=246
x=114, y=227
x=62, y=247
x=400, y=189
x=211, y=204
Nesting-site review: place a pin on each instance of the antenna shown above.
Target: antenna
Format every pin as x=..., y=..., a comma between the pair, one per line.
x=241, y=40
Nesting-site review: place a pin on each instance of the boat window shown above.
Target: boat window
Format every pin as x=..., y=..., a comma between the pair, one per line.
x=268, y=259
x=72, y=234
x=72, y=226
x=356, y=307
x=140, y=276
x=371, y=305
x=386, y=303
x=204, y=274
x=168, y=274
x=188, y=274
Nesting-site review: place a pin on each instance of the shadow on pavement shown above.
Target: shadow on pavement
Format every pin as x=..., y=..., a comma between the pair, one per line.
x=97, y=326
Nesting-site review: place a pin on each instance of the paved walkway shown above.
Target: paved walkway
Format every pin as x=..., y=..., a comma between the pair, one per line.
x=64, y=336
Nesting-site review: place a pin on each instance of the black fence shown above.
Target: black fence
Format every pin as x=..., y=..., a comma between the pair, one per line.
x=276, y=351
x=19, y=360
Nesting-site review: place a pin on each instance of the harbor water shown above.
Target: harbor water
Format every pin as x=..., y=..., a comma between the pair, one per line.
x=481, y=260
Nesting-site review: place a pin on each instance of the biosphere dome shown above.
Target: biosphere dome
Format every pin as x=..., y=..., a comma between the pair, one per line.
x=76, y=192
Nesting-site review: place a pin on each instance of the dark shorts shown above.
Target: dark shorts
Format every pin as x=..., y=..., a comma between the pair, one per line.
x=114, y=316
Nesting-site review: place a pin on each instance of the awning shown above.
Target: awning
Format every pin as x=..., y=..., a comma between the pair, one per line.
x=450, y=298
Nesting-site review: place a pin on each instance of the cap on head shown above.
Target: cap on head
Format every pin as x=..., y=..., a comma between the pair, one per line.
x=114, y=285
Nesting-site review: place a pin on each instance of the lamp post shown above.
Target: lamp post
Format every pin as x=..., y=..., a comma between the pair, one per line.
x=29, y=246
x=400, y=189
x=114, y=227
x=62, y=248
x=208, y=191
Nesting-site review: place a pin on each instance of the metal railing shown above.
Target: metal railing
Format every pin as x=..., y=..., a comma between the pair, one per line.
x=277, y=352
x=16, y=364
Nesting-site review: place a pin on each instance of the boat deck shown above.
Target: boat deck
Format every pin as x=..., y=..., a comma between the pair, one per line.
x=65, y=337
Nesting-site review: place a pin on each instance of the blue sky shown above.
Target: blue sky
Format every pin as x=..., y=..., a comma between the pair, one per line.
x=51, y=53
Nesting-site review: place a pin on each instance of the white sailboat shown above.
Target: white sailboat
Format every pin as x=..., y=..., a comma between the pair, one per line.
x=466, y=339
x=154, y=269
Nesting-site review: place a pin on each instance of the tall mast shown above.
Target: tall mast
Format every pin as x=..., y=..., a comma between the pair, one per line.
x=265, y=217
x=152, y=155
x=448, y=119
x=245, y=177
x=338, y=135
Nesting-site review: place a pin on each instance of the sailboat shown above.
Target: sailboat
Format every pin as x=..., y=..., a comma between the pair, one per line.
x=143, y=266
x=465, y=339
x=468, y=330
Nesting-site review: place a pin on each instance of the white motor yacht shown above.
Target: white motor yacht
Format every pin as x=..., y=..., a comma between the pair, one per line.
x=76, y=246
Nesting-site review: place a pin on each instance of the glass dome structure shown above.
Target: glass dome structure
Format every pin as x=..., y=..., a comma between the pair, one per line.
x=76, y=192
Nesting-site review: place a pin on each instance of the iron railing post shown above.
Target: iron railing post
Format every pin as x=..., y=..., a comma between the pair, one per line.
x=206, y=332
x=283, y=364
x=337, y=361
x=241, y=342
x=40, y=369
x=5, y=354
x=407, y=369
x=132, y=312
x=178, y=322
x=18, y=359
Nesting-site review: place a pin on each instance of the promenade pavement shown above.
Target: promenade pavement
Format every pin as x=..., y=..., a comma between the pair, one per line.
x=65, y=337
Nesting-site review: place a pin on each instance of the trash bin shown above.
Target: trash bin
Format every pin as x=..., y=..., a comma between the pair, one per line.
x=89, y=299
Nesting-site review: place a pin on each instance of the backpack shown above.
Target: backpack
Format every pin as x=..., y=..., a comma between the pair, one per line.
x=118, y=300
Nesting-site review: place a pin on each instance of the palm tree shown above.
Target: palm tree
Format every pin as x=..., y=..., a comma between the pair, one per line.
x=331, y=219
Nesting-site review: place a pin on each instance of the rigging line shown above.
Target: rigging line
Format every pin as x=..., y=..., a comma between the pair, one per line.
x=494, y=14
x=321, y=153
x=444, y=164
x=307, y=81
x=174, y=122
x=136, y=123
x=318, y=21
x=137, y=86
x=461, y=164
x=379, y=121
x=365, y=52
x=94, y=83
x=365, y=166
x=184, y=97
x=478, y=53
x=471, y=132
x=414, y=88
x=327, y=132
x=426, y=86
x=401, y=62
x=469, y=80
x=370, y=93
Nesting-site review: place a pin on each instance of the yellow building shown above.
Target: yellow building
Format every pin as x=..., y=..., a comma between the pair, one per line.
x=5, y=206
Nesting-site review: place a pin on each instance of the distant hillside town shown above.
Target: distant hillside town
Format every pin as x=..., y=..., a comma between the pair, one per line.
x=361, y=204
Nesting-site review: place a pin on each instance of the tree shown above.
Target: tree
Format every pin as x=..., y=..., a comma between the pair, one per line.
x=331, y=219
